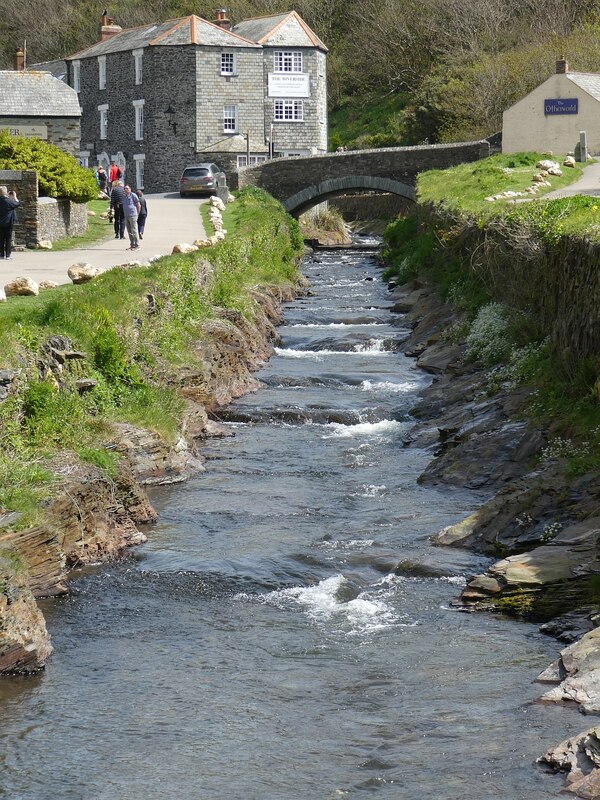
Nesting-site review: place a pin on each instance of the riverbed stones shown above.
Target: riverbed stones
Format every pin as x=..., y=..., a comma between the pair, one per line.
x=24, y=640
x=183, y=247
x=578, y=671
x=579, y=757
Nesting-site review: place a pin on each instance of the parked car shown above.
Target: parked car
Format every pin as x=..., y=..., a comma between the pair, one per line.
x=201, y=179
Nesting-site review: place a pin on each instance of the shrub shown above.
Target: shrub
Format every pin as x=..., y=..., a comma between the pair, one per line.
x=488, y=338
x=59, y=174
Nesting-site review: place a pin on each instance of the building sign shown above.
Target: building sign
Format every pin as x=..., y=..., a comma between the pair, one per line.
x=288, y=84
x=566, y=105
x=37, y=131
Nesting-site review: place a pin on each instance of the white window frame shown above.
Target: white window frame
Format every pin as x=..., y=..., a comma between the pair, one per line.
x=138, y=66
x=138, y=106
x=227, y=61
x=84, y=158
x=76, y=75
x=139, y=160
x=287, y=61
x=288, y=110
x=230, y=119
x=102, y=72
x=258, y=158
x=103, y=110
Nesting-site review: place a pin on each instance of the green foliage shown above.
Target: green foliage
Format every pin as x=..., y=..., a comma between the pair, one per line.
x=488, y=338
x=374, y=120
x=59, y=173
x=105, y=460
x=110, y=353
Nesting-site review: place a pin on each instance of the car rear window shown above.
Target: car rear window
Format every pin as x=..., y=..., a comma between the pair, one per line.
x=195, y=172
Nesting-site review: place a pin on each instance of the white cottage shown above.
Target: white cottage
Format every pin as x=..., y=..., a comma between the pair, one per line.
x=551, y=117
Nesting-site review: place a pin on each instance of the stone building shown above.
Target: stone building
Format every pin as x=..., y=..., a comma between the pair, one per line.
x=159, y=97
x=551, y=116
x=37, y=104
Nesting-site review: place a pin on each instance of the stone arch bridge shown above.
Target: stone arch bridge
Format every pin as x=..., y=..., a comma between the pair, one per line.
x=301, y=183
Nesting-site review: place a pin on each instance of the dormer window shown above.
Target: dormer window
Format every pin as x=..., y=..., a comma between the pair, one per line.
x=102, y=72
x=137, y=66
x=227, y=64
x=288, y=61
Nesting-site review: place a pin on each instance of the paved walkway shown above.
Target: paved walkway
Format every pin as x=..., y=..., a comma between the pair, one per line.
x=171, y=219
x=589, y=183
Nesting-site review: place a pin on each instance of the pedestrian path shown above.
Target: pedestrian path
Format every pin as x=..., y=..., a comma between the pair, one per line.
x=171, y=220
x=588, y=183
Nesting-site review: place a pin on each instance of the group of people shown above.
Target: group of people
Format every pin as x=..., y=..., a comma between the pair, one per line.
x=8, y=216
x=128, y=209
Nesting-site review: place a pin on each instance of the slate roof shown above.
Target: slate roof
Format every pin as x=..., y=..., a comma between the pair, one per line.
x=279, y=30
x=588, y=81
x=187, y=30
x=56, y=68
x=36, y=94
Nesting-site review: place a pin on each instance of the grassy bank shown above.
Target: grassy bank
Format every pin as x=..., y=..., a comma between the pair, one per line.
x=133, y=329
x=503, y=265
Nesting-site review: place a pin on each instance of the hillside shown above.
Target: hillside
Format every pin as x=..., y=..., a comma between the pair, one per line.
x=400, y=71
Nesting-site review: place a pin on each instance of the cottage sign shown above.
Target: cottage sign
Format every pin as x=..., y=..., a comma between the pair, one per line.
x=565, y=105
x=37, y=131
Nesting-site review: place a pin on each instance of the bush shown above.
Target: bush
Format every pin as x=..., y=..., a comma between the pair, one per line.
x=488, y=338
x=59, y=174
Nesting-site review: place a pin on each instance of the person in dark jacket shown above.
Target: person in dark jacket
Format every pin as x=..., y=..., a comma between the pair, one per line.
x=117, y=196
x=8, y=216
x=143, y=213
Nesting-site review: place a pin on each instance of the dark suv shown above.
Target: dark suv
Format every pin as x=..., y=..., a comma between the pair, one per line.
x=201, y=179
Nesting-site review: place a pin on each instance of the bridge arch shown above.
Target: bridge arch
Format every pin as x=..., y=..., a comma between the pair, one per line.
x=310, y=196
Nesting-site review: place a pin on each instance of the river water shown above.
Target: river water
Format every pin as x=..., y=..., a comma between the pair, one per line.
x=262, y=645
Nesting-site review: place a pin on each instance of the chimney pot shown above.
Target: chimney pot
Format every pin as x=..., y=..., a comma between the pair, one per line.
x=19, y=59
x=108, y=27
x=221, y=19
x=562, y=66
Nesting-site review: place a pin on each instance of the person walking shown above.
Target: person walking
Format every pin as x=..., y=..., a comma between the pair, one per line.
x=143, y=213
x=117, y=197
x=102, y=179
x=8, y=216
x=114, y=173
x=131, y=209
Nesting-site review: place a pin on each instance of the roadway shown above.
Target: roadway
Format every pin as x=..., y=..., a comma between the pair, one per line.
x=171, y=220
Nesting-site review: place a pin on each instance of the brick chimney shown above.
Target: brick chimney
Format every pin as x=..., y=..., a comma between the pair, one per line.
x=108, y=27
x=562, y=66
x=221, y=19
x=19, y=59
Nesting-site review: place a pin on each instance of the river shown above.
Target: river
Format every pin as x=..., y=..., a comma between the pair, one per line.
x=262, y=646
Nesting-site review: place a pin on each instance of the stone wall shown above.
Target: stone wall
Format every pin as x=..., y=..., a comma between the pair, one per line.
x=41, y=217
x=60, y=218
x=371, y=206
x=558, y=285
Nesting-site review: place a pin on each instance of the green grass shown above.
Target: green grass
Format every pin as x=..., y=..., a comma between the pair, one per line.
x=98, y=229
x=466, y=186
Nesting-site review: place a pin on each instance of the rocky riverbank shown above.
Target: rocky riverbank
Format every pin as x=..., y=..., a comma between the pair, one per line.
x=92, y=515
x=544, y=526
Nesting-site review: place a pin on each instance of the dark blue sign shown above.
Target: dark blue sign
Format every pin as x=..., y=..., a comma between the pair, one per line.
x=568, y=105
